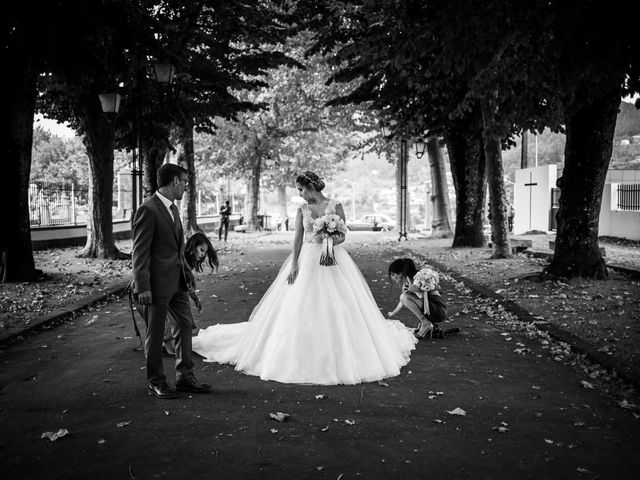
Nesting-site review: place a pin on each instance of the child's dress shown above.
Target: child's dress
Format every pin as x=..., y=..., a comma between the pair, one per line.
x=325, y=328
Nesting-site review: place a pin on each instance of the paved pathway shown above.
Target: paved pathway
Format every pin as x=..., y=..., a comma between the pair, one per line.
x=526, y=415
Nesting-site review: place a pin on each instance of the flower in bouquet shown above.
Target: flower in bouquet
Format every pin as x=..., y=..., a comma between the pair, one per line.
x=325, y=230
x=427, y=279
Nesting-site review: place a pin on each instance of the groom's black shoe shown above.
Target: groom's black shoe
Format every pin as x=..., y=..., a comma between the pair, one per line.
x=162, y=391
x=190, y=384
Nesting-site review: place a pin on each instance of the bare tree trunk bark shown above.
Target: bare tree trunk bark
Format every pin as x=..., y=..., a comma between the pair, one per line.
x=16, y=255
x=186, y=159
x=500, y=242
x=153, y=157
x=282, y=201
x=99, y=142
x=468, y=169
x=590, y=130
x=253, y=194
x=440, y=220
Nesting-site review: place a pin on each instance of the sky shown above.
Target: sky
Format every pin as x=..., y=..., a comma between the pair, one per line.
x=62, y=130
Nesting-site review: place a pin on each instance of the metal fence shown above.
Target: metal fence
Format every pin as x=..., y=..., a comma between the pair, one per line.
x=629, y=197
x=57, y=204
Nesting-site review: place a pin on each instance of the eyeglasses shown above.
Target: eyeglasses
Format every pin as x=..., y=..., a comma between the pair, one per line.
x=185, y=181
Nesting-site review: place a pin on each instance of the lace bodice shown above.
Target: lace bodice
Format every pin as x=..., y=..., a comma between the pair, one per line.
x=307, y=219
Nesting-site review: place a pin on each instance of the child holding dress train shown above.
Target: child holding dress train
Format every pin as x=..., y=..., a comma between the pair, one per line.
x=420, y=295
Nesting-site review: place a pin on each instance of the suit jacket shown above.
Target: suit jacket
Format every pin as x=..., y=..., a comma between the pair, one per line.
x=158, y=250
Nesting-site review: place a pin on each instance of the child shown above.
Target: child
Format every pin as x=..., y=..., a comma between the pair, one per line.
x=420, y=295
x=197, y=249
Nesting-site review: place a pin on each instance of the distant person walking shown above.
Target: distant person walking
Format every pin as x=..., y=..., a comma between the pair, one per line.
x=511, y=212
x=225, y=213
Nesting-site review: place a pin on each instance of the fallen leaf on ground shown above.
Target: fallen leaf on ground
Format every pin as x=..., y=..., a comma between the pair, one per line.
x=123, y=424
x=456, y=411
x=53, y=436
x=627, y=405
x=279, y=416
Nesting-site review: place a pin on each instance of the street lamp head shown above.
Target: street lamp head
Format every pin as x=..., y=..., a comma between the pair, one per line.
x=419, y=146
x=164, y=72
x=110, y=102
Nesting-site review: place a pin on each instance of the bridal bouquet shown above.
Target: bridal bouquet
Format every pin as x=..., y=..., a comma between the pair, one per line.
x=325, y=230
x=426, y=279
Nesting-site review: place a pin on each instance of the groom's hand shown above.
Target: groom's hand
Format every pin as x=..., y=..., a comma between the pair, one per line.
x=145, y=297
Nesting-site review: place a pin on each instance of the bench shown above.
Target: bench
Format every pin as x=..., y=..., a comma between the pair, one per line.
x=240, y=228
x=517, y=244
x=552, y=246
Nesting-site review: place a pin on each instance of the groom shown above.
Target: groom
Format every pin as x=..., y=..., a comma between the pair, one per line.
x=162, y=279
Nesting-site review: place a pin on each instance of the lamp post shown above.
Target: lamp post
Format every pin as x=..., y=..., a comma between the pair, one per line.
x=163, y=73
x=110, y=102
x=403, y=189
x=420, y=146
x=402, y=170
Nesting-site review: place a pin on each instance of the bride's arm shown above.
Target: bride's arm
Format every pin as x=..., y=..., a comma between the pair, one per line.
x=297, y=245
x=340, y=213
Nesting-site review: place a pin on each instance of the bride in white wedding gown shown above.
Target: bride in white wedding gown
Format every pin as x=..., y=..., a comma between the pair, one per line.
x=315, y=324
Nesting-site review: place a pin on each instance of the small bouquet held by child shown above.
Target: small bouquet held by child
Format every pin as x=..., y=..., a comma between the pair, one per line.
x=427, y=279
x=325, y=230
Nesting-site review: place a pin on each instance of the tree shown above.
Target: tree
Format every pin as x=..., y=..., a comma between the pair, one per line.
x=30, y=35
x=59, y=160
x=441, y=221
x=391, y=52
x=551, y=64
x=294, y=131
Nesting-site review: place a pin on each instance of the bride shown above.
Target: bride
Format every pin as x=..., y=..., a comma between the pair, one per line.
x=315, y=324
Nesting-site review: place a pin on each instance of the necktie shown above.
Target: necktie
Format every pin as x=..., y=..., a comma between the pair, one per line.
x=176, y=217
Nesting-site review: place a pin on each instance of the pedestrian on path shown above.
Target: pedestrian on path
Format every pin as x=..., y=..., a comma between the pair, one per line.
x=197, y=249
x=420, y=295
x=225, y=213
x=162, y=280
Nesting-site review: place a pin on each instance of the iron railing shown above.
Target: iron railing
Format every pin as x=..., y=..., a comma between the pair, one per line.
x=57, y=204
x=629, y=197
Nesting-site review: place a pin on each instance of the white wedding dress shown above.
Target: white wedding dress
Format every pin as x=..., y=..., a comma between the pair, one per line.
x=323, y=329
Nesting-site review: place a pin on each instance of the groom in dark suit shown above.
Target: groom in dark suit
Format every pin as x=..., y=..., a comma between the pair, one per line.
x=162, y=279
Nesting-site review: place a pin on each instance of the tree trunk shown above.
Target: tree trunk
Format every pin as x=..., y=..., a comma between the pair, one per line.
x=282, y=201
x=468, y=169
x=153, y=157
x=186, y=159
x=16, y=255
x=588, y=150
x=440, y=219
x=99, y=142
x=253, y=194
x=500, y=243
x=524, y=150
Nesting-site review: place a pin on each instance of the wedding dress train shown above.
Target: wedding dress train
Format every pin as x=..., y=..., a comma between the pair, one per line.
x=324, y=329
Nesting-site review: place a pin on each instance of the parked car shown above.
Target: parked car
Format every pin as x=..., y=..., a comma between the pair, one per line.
x=373, y=222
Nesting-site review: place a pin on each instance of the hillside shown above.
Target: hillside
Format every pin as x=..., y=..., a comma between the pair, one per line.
x=550, y=146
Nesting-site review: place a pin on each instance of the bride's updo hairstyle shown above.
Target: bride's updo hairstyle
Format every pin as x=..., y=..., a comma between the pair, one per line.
x=309, y=178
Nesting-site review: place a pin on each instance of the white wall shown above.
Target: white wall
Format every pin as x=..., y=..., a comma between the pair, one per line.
x=532, y=203
x=613, y=222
